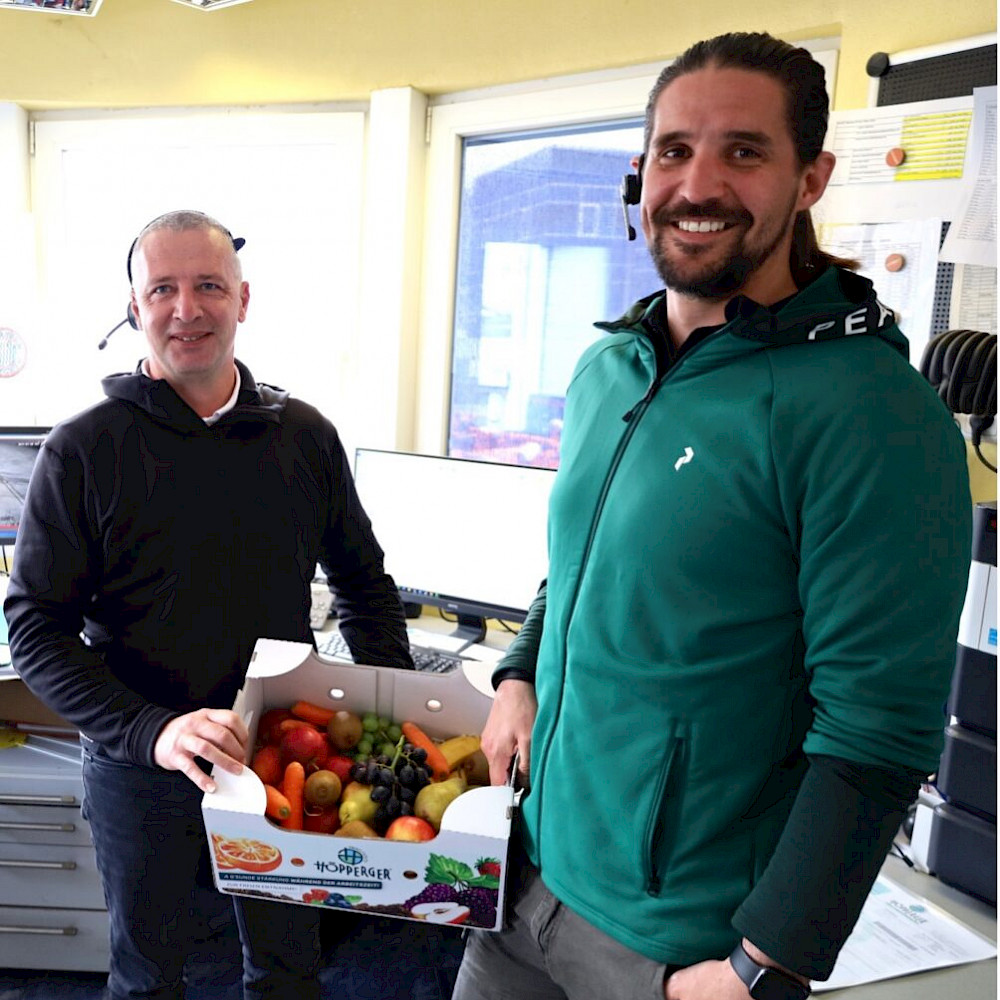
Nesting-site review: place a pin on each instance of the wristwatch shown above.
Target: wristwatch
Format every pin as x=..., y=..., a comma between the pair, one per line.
x=763, y=982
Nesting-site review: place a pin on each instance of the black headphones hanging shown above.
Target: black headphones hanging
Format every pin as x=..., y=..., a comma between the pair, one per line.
x=962, y=367
x=238, y=243
x=630, y=192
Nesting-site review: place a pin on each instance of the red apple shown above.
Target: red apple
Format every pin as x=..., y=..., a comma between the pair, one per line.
x=305, y=744
x=321, y=820
x=267, y=728
x=341, y=767
x=410, y=828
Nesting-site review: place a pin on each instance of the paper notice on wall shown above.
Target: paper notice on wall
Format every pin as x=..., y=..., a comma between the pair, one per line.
x=972, y=238
x=973, y=298
x=899, y=933
x=904, y=161
x=930, y=135
x=900, y=259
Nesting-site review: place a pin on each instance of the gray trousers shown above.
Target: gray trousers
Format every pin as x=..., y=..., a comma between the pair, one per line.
x=547, y=952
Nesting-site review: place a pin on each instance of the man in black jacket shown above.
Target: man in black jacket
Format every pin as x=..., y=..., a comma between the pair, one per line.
x=166, y=529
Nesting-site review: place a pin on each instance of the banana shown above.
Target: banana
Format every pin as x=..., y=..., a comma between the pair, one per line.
x=457, y=748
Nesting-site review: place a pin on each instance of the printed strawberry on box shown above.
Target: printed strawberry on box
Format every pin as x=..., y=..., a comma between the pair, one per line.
x=457, y=877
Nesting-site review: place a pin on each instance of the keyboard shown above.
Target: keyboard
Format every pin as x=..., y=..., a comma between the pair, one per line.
x=319, y=610
x=433, y=661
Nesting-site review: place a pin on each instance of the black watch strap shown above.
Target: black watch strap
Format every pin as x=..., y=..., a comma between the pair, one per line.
x=763, y=982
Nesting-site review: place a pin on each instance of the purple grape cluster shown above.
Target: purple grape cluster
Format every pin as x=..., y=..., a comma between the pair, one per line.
x=482, y=904
x=394, y=781
x=435, y=892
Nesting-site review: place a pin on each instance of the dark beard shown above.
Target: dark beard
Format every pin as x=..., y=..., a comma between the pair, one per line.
x=732, y=274
x=728, y=279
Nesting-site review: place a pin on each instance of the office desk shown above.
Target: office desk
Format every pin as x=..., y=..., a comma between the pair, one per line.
x=976, y=981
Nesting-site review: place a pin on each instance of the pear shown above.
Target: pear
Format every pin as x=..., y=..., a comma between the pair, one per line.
x=355, y=828
x=433, y=799
x=356, y=804
x=476, y=768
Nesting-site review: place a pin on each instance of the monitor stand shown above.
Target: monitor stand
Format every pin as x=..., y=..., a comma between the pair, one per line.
x=472, y=628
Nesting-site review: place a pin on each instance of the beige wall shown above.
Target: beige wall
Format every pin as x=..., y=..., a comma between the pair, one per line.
x=137, y=53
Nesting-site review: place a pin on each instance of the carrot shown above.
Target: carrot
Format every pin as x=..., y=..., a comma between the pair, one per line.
x=266, y=764
x=436, y=760
x=315, y=714
x=278, y=807
x=292, y=786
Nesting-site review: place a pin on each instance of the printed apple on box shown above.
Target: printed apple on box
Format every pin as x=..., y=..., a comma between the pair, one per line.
x=457, y=877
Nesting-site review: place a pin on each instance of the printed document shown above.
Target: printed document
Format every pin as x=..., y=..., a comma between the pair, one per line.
x=972, y=238
x=898, y=934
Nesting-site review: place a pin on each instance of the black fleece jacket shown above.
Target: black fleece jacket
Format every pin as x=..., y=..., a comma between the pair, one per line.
x=155, y=550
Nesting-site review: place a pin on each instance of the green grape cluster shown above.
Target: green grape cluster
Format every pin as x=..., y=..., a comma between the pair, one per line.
x=379, y=737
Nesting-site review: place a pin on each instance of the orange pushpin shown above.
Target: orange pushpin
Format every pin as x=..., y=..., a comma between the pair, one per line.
x=895, y=262
x=895, y=156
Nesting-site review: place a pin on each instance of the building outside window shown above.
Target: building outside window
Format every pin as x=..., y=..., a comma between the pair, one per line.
x=542, y=255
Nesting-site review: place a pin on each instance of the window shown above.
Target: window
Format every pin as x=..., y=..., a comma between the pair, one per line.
x=542, y=254
x=285, y=179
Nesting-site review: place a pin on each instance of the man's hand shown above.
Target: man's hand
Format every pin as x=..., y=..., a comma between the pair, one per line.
x=216, y=735
x=706, y=981
x=508, y=730
x=717, y=980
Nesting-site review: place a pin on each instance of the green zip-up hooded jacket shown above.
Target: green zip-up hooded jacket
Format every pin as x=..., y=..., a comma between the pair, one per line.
x=759, y=557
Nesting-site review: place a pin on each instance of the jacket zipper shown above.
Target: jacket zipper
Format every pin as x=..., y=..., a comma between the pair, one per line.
x=660, y=378
x=645, y=401
x=598, y=509
x=655, y=827
x=632, y=419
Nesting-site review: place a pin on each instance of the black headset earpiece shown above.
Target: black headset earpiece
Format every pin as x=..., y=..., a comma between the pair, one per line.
x=130, y=316
x=630, y=192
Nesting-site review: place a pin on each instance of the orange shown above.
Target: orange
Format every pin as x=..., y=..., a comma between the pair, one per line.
x=250, y=855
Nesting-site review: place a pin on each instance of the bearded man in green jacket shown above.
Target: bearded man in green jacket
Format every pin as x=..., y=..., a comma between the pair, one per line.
x=731, y=686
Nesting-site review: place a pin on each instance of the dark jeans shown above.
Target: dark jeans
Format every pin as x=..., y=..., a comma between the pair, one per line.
x=152, y=854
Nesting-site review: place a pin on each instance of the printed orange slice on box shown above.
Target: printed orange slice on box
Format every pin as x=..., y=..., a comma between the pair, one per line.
x=217, y=839
x=248, y=855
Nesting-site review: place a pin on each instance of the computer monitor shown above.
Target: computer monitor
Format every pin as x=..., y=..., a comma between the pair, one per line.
x=462, y=535
x=19, y=447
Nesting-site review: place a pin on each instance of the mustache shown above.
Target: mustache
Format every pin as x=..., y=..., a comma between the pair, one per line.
x=712, y=209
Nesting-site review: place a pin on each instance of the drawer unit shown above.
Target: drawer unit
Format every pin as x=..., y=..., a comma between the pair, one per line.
x=21, y=820
x=43, y=875
x=52, y=912
x=33, y=938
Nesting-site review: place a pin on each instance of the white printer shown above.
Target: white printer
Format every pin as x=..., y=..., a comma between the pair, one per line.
x=962, y=849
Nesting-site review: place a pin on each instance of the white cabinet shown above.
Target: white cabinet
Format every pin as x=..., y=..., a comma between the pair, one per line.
x=52, y=913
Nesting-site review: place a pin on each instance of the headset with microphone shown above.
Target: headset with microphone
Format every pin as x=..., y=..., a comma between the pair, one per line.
x=630, y=191
x=130, y=316
x=962, y=366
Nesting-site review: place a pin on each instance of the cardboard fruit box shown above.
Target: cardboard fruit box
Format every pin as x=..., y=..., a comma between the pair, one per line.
x=457, y=877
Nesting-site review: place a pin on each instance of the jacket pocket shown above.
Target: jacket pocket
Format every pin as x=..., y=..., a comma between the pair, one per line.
x=662, y=824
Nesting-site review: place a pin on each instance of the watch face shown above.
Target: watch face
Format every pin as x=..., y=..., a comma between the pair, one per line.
x=772, y=985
